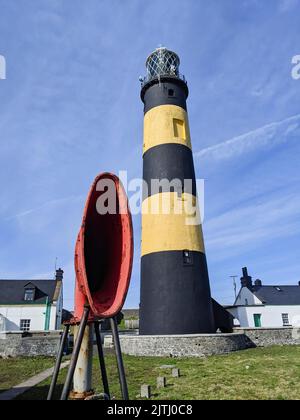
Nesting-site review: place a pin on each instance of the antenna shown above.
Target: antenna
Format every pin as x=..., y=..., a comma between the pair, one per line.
x=55, y=265
x=234, y=285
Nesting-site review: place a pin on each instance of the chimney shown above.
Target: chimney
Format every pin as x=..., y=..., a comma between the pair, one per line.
x=258, y=283
x=246, y=280
x=59, y=275
x=299, y=283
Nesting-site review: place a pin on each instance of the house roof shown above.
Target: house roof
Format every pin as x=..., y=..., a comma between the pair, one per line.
x=277, y=295
x=12, y=291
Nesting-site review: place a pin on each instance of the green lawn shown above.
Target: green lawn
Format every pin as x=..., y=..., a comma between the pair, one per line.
x=15, y=371
x=271, y=373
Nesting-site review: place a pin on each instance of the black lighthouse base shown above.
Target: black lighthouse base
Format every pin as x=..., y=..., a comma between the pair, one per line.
x=175, y=297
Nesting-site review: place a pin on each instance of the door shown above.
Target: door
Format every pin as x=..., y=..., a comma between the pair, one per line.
x=257, y=320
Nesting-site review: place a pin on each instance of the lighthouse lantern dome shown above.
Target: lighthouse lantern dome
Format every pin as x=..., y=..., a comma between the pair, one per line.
x=162, y=63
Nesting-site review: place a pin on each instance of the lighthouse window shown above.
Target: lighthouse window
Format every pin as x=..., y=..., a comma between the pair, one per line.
x=187, y=258
x=179, y=128
x=171, y=92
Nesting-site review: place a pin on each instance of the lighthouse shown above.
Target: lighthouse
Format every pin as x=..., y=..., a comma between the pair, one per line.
x=175, y=289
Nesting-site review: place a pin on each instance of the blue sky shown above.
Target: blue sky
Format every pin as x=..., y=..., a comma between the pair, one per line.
x=70, y=109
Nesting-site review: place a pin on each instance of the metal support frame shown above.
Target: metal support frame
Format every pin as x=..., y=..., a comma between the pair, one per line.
x=76, y=350
x=97, y=326
x=122, y=376
x=75, y=355
x=58, y=362
x=82, y=379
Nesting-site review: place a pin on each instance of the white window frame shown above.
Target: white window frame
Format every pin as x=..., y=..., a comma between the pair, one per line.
x=29, y=293
x=285, y=320
x=25, y=325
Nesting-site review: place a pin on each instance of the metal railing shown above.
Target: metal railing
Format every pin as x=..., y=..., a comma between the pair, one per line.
x=149, y=78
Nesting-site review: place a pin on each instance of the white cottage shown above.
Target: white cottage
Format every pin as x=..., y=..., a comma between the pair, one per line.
x=31, y=305
x=266, y=306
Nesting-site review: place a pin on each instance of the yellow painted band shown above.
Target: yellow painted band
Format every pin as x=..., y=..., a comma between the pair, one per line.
x=166, y=124
x=170, y=223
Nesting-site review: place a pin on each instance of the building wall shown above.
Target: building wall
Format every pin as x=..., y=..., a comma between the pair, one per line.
x=36, y=313
x=2, y=323
x=271, y=316
x=59, y=310
x=56, y=314
x=245, y=296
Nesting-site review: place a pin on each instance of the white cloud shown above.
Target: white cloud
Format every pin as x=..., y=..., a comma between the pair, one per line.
x=50, y=203
x=2, y=67
x=247, y=227
x=266, y=136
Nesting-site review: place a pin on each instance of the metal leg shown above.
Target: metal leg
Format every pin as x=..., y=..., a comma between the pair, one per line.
x=122, y=377
x=82, y=379
x=76, y=350
x=58, y=362
x=101, y=359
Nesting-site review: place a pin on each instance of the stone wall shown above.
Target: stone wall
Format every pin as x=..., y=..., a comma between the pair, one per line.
x=18, y=344
x=131, y=313
x=132, y=324
x=184, y=345
x=265, y=337
x=206, y=344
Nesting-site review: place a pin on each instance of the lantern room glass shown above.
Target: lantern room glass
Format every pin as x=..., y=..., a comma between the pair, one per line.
x=162, y=63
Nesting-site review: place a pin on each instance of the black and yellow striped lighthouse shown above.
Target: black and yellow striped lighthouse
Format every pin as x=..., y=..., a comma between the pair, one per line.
x=175, y=290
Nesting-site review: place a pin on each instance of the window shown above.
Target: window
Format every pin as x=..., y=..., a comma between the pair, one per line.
x=246, y=302
x=25, y=325
x=179, y=128
x=285, y=320
x=29, y=295
x=257, y=320
x=171, y=92
x=187, y=258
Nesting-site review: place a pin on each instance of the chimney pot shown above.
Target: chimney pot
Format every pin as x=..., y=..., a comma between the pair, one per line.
x=59, y=274
x=246, y=280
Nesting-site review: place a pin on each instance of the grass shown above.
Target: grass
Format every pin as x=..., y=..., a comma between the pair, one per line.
x=122, y=325
x=257, y=374
x=15, y=371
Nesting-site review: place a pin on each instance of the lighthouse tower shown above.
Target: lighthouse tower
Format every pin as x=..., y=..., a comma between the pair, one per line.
x=175, y=290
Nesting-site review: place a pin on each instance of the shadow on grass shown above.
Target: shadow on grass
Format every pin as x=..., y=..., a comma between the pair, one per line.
x=40, y=393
